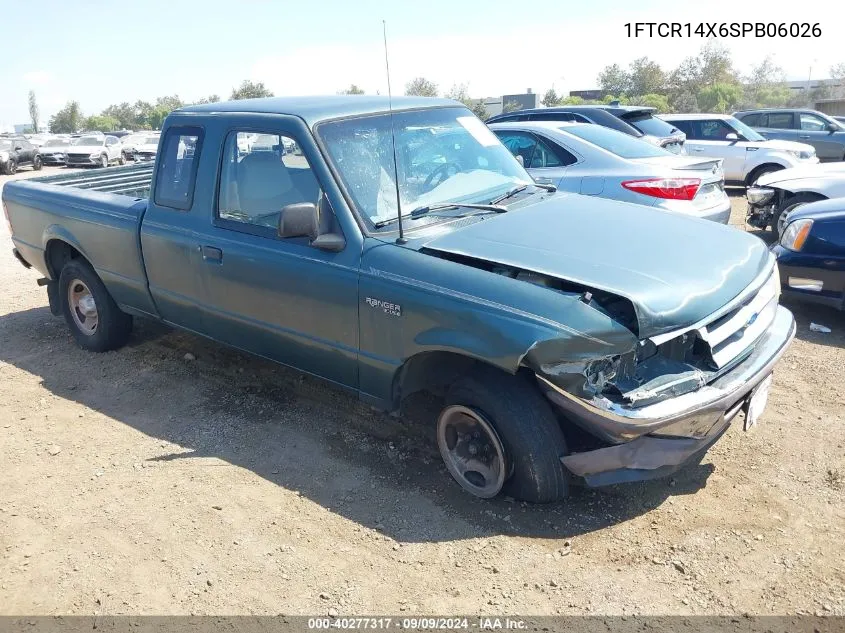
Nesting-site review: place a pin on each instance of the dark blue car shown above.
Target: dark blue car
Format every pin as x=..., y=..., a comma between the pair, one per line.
x=811, y=253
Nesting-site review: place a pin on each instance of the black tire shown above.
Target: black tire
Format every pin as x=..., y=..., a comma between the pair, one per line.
x=113, y=326
x=761, y=171
x=12, y=167
x=121, y=161
x=104, y=161
x=528, y=429
x=37, y=164
x=789, y=205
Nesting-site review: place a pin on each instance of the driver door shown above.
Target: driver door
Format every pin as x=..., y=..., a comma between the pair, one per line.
x=708, y=140
x=277, y=297
x=814, y=130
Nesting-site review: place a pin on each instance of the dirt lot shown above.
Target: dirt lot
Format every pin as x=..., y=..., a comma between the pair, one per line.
x=147, y=482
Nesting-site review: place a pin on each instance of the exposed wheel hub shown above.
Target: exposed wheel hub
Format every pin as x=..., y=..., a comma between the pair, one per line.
x=83, y=308
x=471, y=450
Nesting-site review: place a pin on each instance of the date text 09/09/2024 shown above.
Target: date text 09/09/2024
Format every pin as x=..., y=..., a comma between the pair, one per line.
x=426, y=623
x=723, y=29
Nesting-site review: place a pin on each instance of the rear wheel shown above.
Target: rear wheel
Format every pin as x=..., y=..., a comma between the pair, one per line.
x=498, y=434
x=95, y=321
x=36, y=163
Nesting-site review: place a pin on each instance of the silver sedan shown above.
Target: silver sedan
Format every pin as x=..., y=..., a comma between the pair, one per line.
x=595, y=160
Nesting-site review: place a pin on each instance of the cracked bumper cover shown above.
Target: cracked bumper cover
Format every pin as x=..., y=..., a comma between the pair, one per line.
x=655, y=440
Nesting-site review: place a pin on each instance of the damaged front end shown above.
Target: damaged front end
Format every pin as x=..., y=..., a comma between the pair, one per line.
x=670, y=396
x=762, y=203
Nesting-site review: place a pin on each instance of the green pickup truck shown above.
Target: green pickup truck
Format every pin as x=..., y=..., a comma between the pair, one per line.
x=573, y=339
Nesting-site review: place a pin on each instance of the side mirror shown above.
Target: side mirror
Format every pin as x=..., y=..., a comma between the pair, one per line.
x=18, y=148
x=832, y=127
x=732, y=137
x=299, y=220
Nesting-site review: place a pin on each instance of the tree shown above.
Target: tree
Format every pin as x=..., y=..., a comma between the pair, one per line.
x=33, y=111
x=67, y=120
x=653, y=100
x=352, y=90
x=101, y=123
x=572, y=101
x=511, y=106
x=614, y=80
x=696, y=75
x=209, y=99
x=645, y=77
x=551, y=98
x=170, y=103
x=421, y=87
x=250, y=90
x=125, y=114
x=460, y=92
x=622, y=99
x=719, y=97
x=765, y=86
x=837, y=73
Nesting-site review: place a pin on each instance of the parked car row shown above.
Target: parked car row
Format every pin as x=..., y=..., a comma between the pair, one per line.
x=17, y=151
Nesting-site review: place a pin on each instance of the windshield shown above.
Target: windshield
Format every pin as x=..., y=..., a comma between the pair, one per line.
x=442, y=155
x=150, y=140
x=89, y=140
x=748, y=133
x=615, y=142
x=648, y=124
x=57, y=142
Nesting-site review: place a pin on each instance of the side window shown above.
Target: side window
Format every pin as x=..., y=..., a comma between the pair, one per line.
x=519, y=144
x=778, y=120
x=751, y=119
x=812, y=123
x=686, y=127
x=177, y=167
x=261, y=174
x=714, y=130
x=555, y=116
x=550, y=155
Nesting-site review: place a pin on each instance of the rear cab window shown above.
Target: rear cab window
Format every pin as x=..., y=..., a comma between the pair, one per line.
x=177, y=167
x=750, y=119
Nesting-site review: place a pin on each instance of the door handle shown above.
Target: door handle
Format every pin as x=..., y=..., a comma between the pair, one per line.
x=803, y=136
x=211, y=254
x=698, y=149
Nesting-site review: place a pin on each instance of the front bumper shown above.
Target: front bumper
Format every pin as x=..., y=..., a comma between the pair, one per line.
x=53, y=159
x=828, y=273
x=82, y=162
x=652, y=440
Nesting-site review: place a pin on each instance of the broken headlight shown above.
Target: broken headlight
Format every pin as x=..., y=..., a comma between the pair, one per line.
x=759, y=195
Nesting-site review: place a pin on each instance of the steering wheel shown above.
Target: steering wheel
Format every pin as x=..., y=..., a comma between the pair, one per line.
x=441, y=174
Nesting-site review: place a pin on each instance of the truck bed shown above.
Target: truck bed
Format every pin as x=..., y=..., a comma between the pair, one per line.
x=130, y=180
x=98, y=213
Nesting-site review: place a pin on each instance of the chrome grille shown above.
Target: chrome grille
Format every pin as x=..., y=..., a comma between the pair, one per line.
x=733, y=333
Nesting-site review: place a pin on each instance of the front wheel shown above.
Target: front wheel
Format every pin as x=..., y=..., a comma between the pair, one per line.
x=37, y=164
x=11, y=167
x=104, y=161
x=779, y=220
x=120, y=160
x=95, y=321
x=497, y=433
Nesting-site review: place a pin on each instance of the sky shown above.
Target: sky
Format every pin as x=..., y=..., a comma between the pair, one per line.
x=98, y=52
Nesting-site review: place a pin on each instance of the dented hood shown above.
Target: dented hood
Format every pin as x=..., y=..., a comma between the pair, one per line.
x=676, y=270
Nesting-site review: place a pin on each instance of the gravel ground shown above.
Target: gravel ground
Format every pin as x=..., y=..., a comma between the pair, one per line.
x=176, y=476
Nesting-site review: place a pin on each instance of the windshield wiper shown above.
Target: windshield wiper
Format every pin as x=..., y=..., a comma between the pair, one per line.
x=520, y=189
x=421, y=211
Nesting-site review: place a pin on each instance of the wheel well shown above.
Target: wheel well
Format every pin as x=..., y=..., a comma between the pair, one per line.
x=431, y=371
x=756, y=171
x=57, y=254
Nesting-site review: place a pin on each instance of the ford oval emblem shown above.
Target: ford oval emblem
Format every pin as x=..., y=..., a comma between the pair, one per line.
x=751, y=319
